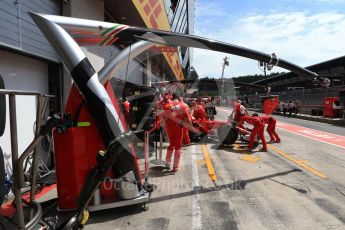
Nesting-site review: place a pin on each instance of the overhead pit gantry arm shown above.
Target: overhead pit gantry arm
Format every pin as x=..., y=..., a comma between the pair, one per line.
x=96, y=33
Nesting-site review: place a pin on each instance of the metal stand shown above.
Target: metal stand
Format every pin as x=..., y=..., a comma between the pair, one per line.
x=42, y=168
x=158, y=162
x=110, y=203
x=100, y=203
x=17, y=162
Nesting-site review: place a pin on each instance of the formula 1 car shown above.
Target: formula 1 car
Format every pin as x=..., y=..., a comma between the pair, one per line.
x=227, y=133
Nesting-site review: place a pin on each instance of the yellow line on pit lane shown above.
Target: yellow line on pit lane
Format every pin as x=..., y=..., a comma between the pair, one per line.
x=209, y=164
x=298, y=162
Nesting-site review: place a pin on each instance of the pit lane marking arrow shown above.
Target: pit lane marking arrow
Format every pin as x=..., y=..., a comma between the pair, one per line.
x=250, y=158
x=200, y=162
x=238, y=147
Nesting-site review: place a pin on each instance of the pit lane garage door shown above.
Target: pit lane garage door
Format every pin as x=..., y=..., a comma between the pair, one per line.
x=19, y=32
x=21, y=73
x=24, y=57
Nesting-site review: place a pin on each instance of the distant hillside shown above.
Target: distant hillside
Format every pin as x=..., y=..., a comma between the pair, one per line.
x=253, y=78
x=247, y=78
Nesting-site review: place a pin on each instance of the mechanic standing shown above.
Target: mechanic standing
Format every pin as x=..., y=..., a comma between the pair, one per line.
x=126, y=108
x=210, y=108
x=199, y=101
x=199, y=117
x=176, y=118
x=161, y=106
x=164, y=103
x=198, y=112
x=271, y=128
x=185, y=134
x=258, y=129
x=238, y=112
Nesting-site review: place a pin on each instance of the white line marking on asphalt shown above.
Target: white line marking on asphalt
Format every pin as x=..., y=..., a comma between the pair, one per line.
x=339, y=146
x=196, y=221
x=315, y=130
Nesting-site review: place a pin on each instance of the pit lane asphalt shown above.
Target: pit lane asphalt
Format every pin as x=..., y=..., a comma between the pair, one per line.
x=262, y=190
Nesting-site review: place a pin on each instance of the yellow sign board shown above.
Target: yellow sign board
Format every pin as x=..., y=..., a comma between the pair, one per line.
x=154, y=15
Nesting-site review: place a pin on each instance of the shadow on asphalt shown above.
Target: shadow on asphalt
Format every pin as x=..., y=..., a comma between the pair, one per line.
x=159, y=172
x=118, y=213
x=114, y=214
x=237, y=185
x=241, y=149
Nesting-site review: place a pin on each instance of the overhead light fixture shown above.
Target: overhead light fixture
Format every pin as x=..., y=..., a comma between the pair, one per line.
x=269, y=67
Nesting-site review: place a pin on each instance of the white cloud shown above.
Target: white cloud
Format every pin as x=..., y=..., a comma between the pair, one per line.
x=208, y=9
x=341, y=2
x=298, y=37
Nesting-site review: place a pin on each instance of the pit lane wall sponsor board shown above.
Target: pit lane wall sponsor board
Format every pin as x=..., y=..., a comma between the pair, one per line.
x=154, y=16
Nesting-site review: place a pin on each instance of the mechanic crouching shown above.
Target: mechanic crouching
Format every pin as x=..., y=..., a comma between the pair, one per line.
x=271, y=128
x=176, y=118
x=258, y=129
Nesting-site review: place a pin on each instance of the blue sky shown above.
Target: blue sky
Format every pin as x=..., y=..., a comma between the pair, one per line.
x=304, y=32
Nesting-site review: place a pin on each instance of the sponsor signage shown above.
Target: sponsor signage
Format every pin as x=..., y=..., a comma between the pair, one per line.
x=154, y=15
